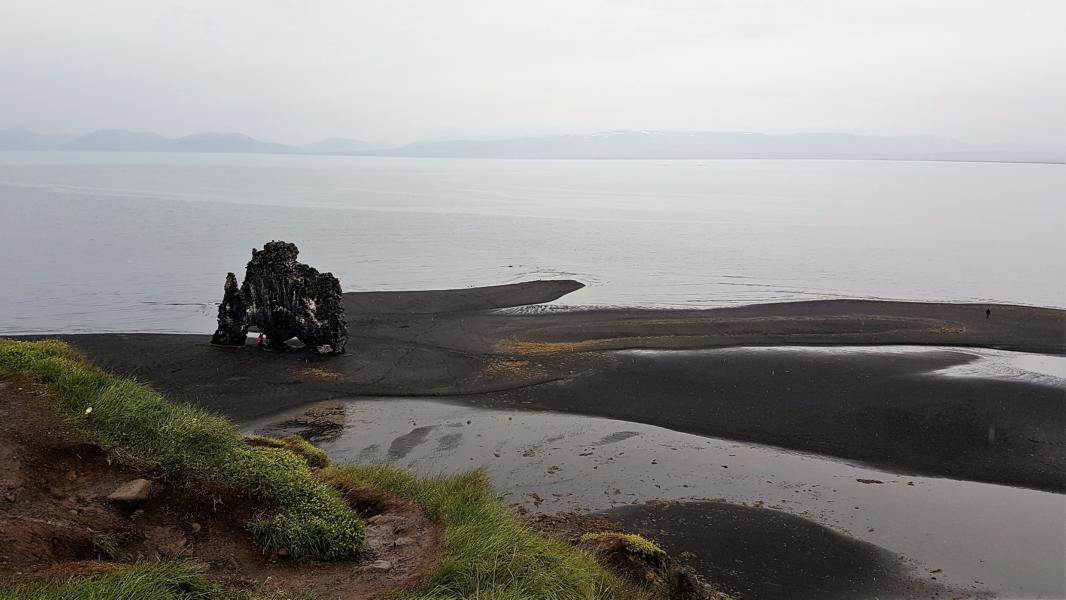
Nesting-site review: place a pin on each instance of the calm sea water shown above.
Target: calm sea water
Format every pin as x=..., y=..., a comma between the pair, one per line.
x=142, y=242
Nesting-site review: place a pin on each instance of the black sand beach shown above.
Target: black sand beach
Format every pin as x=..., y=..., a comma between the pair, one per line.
x=735, y=373
x=771, y=555
x=880, y=409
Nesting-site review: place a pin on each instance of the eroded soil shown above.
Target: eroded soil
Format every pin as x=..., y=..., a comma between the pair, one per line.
x=54, y=514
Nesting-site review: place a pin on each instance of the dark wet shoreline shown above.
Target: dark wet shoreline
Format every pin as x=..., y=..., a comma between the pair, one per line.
x=879, y=408
x=884, y=410
x=553, y=463
x=771, y=555
x=866, y=408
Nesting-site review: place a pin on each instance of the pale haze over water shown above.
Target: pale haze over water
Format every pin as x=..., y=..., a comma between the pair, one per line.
x=142, y=242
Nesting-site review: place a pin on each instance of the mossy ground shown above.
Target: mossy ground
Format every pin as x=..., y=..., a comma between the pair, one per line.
x=634, y=543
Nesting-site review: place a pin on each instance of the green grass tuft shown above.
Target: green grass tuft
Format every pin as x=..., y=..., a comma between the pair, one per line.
x=150, y=581
x=634, y=543
x=315, y=457
x=488, y=553
x=144, y=581
x=107, y=544
x=139, y=424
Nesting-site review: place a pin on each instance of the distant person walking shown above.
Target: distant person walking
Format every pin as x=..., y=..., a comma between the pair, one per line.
x=988, y=312
x=259, y=342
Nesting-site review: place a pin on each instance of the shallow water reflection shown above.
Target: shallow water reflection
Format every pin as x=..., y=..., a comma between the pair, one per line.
x=983, y=536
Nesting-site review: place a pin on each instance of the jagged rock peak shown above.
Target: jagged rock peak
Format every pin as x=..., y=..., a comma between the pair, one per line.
x=232, y=315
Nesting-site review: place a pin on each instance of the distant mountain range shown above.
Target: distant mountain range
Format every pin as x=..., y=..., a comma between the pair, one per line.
x=612, y=144
x=666, y=144
x=119, y=140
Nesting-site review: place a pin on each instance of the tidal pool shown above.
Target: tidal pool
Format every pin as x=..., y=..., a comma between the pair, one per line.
x=977, y=537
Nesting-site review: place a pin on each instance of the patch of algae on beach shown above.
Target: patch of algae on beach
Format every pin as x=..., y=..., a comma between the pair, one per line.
x=534, y=348
x=634, y=543
x=499, y=367
x=615, y=343
x=322, y=374
x=950, y=329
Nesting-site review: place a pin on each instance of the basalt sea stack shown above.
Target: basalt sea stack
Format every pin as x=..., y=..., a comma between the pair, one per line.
x=284, y=299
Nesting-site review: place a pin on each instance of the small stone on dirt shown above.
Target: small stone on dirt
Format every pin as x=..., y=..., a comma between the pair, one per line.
x=381, y=565
x=132, y=493
x=403, y=541
x=385, y=519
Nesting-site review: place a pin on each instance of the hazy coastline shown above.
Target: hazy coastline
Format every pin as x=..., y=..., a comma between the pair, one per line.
x=614, y=145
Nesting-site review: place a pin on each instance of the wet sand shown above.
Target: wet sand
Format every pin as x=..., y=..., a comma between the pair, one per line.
x=458, y=300
x=882, y=407
x=877, y=409
x=770, y=555
x=694, y=371
x=554, y=463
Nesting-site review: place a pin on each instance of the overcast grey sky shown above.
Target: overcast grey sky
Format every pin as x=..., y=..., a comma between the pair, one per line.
x=986, y=71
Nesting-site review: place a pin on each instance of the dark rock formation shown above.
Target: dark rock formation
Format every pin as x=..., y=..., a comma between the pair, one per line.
x=284, y=299
x=232, y=316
